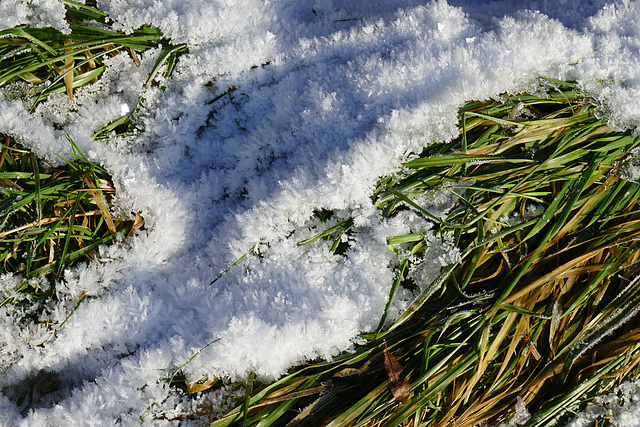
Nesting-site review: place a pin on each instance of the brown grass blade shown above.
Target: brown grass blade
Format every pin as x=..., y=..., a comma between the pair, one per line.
x=68, y=70
x=98, y=198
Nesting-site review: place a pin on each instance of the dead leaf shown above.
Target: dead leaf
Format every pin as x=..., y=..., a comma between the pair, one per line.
x=197, y=387
x=398, y=383
x=138, y=223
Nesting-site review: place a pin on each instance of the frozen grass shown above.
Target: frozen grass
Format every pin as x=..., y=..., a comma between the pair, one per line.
x=55, y=62
x=533, y=315
x=537, y=311
x=51, y=219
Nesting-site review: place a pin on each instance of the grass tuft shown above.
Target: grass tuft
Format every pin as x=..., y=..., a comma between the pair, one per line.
x=52, y=218
x=50, y=61
x=541, y=308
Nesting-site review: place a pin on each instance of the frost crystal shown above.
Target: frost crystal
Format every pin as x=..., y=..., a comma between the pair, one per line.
x=520, y=417
x=619, y=407
x=438, y=253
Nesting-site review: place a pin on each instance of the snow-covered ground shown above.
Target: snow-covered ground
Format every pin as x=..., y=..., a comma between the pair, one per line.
x=326, y=96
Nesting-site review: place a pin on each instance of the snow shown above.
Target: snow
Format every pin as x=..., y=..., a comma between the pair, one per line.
x=322, y=98
x=620, y=407
x=520, y=417
x=46, y=13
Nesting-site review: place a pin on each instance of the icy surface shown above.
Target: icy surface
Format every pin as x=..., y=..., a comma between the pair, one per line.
x=319, y=99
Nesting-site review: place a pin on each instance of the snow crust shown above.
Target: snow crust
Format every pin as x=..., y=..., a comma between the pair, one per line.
x=319, y=99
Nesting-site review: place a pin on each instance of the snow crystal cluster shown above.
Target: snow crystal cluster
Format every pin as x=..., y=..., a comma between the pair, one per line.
x=280, y=109
x=520, y=417
x=619, y=407
x=38, y=13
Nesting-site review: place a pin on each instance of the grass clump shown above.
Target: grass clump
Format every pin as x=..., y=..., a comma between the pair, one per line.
x=540, y=310
x=50, y=61
x=52, y=218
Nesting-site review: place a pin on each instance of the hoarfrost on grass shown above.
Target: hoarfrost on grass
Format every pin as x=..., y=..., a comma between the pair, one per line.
x=531, y=211
x=317, y=103
x=439, y=253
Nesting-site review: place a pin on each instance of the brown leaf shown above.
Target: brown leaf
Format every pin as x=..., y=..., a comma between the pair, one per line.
x=195, y=388
x=138, y=223
x=398, y=383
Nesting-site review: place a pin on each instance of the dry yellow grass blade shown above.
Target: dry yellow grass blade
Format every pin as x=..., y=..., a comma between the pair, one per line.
x=289, y=388
x=68, y=70
x=198, y=387
x=90, y=65
x=51, y=251
x=138, y=223
x=98, y=198
x=575, y=220
x=483, y=409
x=561, y=271
x=134, y=56
x=486, y=356
x=293, y=395
x=44, y=221
x=523, y=325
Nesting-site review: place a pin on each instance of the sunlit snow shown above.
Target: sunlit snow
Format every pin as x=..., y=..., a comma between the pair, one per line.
x=322, y=98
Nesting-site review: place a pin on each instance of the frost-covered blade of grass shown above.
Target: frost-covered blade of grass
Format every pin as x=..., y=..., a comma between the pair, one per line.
x=56, y=62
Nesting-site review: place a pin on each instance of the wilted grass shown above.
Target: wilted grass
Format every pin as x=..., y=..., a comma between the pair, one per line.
x=52, y=218
x=542, y=307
